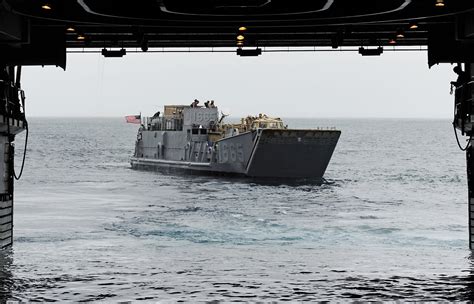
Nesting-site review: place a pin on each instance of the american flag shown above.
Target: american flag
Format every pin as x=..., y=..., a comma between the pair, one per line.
x=134, y=119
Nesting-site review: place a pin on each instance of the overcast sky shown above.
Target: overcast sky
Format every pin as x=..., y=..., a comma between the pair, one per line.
x=321, y=84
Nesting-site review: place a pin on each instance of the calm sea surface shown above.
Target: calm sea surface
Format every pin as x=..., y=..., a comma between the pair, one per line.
x=391, y=223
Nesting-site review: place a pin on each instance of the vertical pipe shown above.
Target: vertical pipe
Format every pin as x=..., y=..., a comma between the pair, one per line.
x=470, y=184
x=6, y=158
x=12, y=121
x=6, y=191
x=468, y=94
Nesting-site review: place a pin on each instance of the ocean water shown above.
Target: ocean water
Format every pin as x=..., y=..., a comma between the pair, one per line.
x=389, y=224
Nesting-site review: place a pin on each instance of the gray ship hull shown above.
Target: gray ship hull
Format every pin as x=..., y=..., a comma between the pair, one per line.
x=292, y=153
x=264, y=153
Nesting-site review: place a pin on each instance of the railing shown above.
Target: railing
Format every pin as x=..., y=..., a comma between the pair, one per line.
x=162, y=124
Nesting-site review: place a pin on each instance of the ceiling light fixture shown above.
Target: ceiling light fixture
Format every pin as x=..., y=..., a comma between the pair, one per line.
x=81, y=37
x=252, y=52
x=413, y=25
x=371, y=52
x=392, y=41
x=439, y=3
x=400, y=34
x=240, y=37
x=71, y=29
x=334, y=43
x=113, y=53
x=337, y=39
x=144, y=44
x=242, y=28
x=46, y=6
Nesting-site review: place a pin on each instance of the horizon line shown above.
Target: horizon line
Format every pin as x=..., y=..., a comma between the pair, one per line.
x=283, y=117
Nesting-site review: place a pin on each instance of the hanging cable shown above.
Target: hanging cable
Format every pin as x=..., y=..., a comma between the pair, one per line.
x=22, y=94
x=454, y=128
x=457, y=139
x=25, y=123
x=24, y=154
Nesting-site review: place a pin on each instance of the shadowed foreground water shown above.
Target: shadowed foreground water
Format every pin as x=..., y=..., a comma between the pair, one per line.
x=389, y=224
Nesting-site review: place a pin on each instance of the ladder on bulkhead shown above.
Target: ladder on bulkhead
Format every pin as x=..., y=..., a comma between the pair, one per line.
x=197, y=151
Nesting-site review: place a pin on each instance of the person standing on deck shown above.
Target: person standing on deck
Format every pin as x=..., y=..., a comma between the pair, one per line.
x=195, y=104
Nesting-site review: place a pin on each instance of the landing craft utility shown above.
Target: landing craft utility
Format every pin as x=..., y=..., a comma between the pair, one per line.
x=195, y=138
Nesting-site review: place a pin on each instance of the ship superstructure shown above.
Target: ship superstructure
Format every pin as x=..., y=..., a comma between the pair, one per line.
x=195, y=138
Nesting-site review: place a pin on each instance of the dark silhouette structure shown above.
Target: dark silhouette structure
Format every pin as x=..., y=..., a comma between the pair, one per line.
x=463, y=77
x=42, y=32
